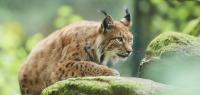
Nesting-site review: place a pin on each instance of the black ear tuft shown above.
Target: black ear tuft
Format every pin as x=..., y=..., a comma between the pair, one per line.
x=107, y=22
x=127, y=18
x=104, y=12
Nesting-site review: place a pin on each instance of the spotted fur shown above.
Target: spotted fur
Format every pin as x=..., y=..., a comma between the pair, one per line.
x=76, y=50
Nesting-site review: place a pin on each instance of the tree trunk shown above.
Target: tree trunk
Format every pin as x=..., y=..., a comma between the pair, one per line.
x=141, y=27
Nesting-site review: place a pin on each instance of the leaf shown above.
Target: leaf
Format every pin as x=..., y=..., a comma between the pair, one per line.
x=193, y=27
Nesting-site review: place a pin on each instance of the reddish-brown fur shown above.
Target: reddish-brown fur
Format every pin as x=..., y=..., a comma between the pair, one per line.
x=77, y=50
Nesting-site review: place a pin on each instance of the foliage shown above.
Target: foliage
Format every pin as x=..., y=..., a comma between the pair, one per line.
x=193, y=27
x=65, y=12
x=173, y=15
x=11, y=55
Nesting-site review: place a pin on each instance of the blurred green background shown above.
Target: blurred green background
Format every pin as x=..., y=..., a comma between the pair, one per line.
x=25, y=22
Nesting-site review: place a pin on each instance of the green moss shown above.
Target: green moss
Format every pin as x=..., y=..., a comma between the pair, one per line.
x=168, y=55
x=101, y=85
x=124, y=88
x=169, y=42
x=77, y=86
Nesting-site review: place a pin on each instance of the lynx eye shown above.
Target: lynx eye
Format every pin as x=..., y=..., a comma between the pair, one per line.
x=119, y=40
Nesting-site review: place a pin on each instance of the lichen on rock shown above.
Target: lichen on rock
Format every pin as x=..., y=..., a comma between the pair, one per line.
x=105, y=85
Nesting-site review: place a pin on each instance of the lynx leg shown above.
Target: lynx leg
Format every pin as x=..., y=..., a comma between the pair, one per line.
x=27, y=87
x=79, y=69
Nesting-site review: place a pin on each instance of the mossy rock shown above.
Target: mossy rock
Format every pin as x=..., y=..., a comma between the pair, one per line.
x=105, y=85
x=169, y=55
x=170, y=42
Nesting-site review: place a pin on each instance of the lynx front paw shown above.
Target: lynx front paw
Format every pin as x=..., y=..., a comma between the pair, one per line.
x=115, y=72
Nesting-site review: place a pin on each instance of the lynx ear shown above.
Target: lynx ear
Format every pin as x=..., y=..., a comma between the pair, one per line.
x=127, y=18
x=107, y=22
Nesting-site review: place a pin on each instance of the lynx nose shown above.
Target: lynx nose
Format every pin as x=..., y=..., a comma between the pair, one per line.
x=129, y=52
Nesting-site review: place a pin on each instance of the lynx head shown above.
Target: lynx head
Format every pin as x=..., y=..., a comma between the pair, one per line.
x=117, y=40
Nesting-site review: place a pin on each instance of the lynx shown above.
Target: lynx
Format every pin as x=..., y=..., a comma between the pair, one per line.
x=77, y=50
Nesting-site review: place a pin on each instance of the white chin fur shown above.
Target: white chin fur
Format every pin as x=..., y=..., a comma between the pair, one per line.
x=116, y=59
x=113, y=57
